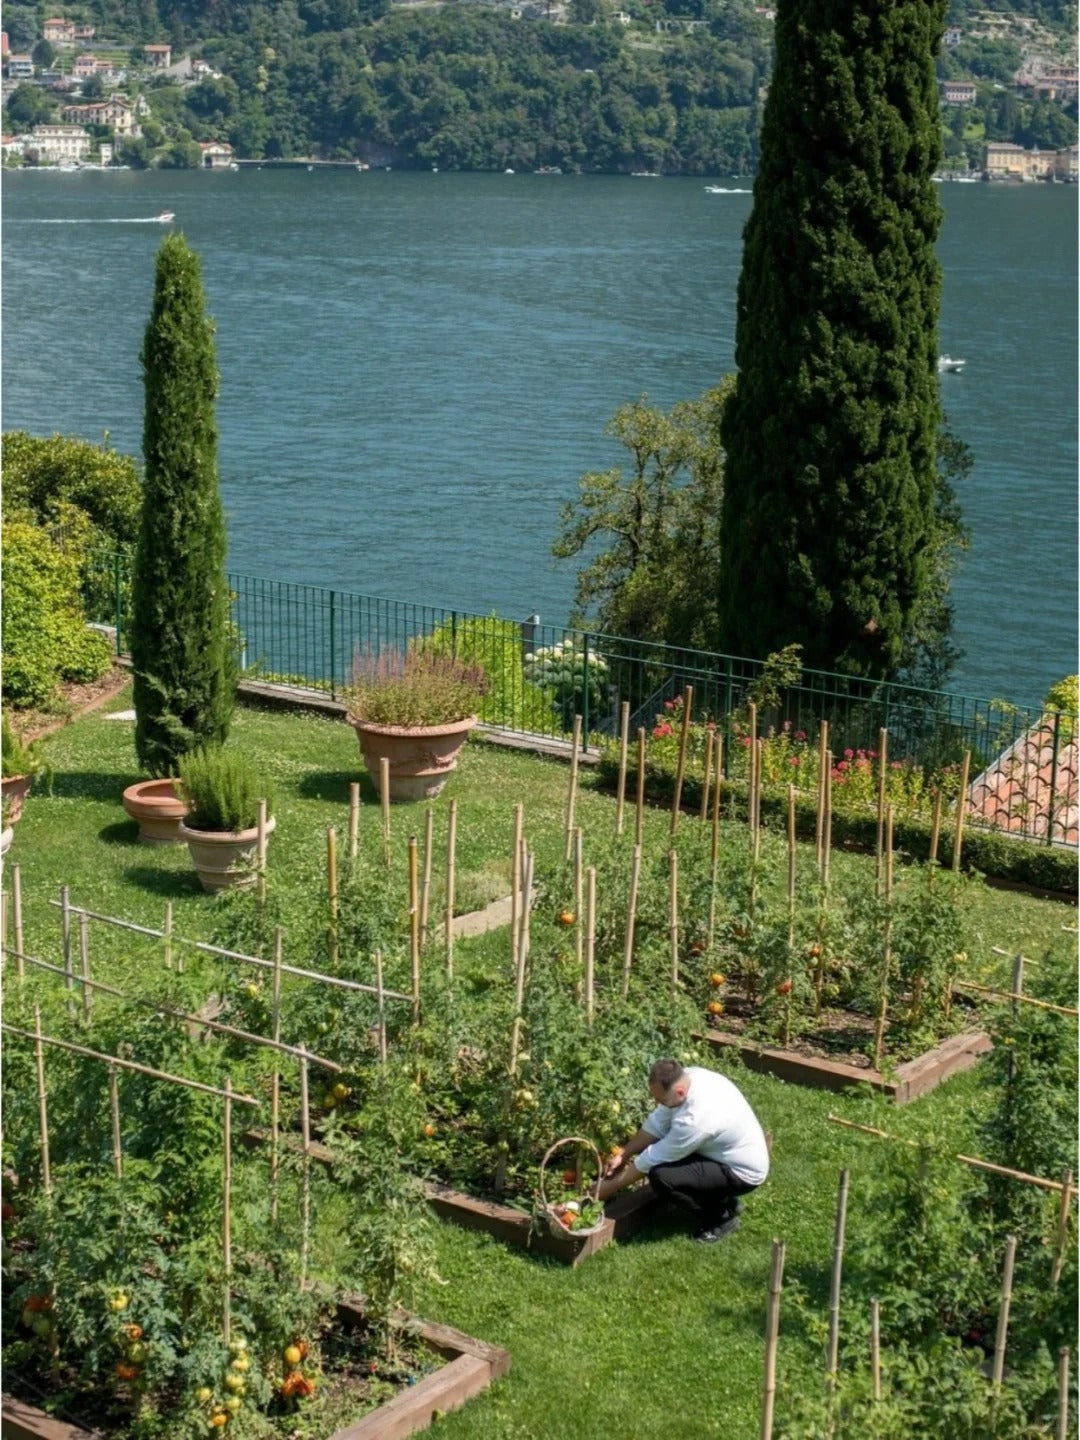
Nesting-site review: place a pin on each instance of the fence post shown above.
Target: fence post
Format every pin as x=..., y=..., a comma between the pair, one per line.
x=1053, y=779
x=333, y=648
x=453, y=634
x=118, y=601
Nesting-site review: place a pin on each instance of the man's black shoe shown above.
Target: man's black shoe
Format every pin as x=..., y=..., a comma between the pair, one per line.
x=718, y=1232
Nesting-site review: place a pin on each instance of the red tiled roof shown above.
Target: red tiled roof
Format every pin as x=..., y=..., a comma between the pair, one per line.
x=1014, y=793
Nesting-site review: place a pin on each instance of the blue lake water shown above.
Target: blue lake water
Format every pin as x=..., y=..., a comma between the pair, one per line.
x=417, y=368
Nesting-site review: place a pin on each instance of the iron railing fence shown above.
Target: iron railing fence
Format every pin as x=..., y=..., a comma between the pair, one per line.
x=541, y=675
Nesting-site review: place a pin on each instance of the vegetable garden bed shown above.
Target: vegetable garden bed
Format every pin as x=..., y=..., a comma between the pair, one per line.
x=470, y=1366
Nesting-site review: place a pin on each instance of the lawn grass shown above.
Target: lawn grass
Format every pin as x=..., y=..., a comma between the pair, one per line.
x=653, y=1336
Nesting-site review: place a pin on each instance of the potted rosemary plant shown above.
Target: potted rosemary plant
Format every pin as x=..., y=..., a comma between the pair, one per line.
x=21, y=764
x=415, y=710
x=222, y=791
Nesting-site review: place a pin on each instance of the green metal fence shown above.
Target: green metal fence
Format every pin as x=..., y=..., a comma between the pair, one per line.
x=541, y=675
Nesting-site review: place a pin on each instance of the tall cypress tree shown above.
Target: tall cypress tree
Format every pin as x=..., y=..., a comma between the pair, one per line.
x=828, y=522
x=181, y=655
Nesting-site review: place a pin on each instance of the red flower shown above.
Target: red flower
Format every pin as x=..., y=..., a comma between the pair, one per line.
x=661, y=731
x=842, y=766
x=794, y=760
x=746, y=740
x=800, y=734
x=849, y=754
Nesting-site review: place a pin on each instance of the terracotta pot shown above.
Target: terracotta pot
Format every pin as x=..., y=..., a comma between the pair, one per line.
x=421, y=756
x=158, y=809
x=225, y=859
x=15, y=789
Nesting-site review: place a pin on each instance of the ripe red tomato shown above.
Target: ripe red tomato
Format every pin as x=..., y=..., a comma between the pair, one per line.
x=784, y=988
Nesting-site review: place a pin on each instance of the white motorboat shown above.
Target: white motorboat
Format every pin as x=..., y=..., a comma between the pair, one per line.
x=947, y=365
x=165, y=218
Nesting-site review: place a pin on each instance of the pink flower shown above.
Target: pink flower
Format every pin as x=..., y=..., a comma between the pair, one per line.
x=897, y=765
x=661, y=731
x=872, y=754
x=669, y=704
x=849, y=754
x=842, y=766
x=794, y=759
x=800, y=734
x=787, y=726
x=746, y=740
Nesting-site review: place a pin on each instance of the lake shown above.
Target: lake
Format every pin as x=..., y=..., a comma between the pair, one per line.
x=417, y=368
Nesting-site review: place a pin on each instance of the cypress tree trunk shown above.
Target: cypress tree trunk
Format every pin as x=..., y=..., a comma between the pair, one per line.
x=828, y=514
x=184, y=672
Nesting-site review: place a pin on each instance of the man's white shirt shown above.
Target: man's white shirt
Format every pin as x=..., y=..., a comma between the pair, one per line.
x=715, y=1120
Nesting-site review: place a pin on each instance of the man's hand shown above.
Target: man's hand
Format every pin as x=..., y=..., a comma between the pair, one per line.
x=615, y=1163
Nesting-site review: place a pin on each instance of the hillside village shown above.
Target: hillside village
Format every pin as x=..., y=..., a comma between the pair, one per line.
x=75, y=97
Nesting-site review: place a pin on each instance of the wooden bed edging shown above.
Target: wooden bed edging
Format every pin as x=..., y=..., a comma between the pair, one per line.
x=471, y=1366
x=624, y=1214
x=906, y=1083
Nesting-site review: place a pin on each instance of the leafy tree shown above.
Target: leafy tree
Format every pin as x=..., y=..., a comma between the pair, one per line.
x=30, y=105
x=653, y=581
x=43, y=54
x=829, y=522
x=183, y=666
x=93, y=88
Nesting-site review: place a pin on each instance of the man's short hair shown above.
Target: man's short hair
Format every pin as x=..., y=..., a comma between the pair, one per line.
x=665, y=1073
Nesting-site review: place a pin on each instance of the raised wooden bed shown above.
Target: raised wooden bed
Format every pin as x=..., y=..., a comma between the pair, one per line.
x=906, y=1083
x=471, y=1367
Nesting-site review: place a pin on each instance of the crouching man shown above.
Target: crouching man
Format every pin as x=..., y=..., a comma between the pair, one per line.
x=701, y=1147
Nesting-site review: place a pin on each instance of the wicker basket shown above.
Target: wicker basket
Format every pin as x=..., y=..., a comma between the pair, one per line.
x=547, y=1210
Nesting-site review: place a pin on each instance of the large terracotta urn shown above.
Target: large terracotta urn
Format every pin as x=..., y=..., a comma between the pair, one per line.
x=158, y=809
x=15, y=789
x=225, y=859
x=420, y=756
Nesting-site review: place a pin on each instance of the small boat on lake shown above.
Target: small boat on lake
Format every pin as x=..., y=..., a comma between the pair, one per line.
x=165, y=218
x=948, y=366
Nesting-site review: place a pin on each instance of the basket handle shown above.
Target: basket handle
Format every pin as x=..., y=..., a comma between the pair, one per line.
x=571, y=1140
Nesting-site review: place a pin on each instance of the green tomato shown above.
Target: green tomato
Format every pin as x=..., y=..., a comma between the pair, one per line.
x=241, y=1364
x=235, y=1383
x=237, y=1345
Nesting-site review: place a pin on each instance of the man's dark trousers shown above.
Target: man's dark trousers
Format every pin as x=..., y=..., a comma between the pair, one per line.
x=706, y=1189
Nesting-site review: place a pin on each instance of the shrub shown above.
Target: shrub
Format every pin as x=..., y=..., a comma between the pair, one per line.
x=496, y=646
x=20, y=759
x=223, y=789
x=416, y=688
x=45, y=639
x=575, y=679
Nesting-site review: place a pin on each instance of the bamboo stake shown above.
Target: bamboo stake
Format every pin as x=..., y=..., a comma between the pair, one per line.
x=226, y=1218
x=590, y=945
x=826, y=854
x=684, y=737
x=384, y=802
x=571, y=794
x=451, y=858
x=425, y=884
x=886, y=962
x=305, y=1192
x=1014, y=997
x=833, y=1366
x=332, y=890
x=354, y=820
x=751, y=807
x=972, y=1160
x=381, y=1008
x=65, y=926
x=168, y=935
x=43, y=1112
x=16, y=915
x=579, y=895
x=875, y=1347
x=639, y=820
x=823, y=750
x=935, y=827
x=84, y=960
x=526, y=908
x=883, y=752
x=1061, y=1233
x=789, y=998
x=260, y=851
x=961, y=812
x=114, y=1110
x=772, y=1335
x=631, y=919
x=515, y=888
x=1003, y=1313
x=706, y=778
x=414, y=931
x=624, y=736
x=673, y=920
x=1061, y=1431
x=4, y=922
x=275, y=1082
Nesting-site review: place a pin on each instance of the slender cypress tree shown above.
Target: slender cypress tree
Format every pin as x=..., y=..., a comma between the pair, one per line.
x=180, y=645
x=828, y=521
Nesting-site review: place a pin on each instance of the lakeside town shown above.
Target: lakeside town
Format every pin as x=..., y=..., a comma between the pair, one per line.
x=74, y=99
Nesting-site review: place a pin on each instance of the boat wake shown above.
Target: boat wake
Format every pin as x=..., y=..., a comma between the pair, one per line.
x=102, y=220
x=721, y=190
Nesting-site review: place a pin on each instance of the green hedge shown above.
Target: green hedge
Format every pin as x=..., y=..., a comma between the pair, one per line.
x=992, y=853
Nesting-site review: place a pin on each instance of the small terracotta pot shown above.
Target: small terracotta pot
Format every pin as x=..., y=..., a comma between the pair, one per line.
x=158, y=809
x=421, y=756
x=15, y=789
x=225, y=859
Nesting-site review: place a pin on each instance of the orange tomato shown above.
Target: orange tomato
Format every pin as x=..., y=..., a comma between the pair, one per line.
x=126, y=1372
x=292, y=1356
x=429, y=1130
x=814, y=951
x=716, y=978
x=784, y=988
x=715, y=1007
x=218, y=1419
x=566, y=917
x=133, y=1332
